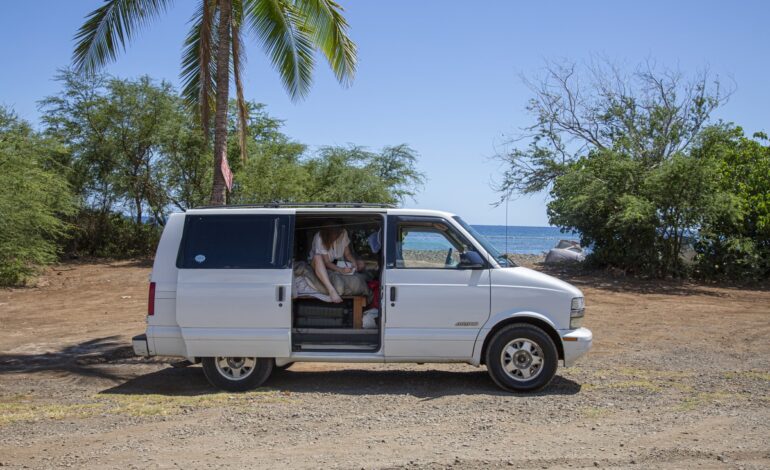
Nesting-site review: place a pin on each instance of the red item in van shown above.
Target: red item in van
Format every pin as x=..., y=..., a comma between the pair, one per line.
x=374, y=286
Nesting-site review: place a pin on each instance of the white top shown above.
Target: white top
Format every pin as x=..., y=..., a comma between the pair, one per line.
x=337, y=250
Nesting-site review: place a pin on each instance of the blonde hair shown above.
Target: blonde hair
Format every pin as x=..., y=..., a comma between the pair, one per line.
x=330, y=232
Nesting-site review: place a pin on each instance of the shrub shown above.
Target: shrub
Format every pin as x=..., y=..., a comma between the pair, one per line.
x=736, y=244
x=34, y=196
x=111, y=235
x=639, y=216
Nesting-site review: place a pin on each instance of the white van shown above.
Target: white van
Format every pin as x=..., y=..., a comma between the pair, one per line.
x=231, y=288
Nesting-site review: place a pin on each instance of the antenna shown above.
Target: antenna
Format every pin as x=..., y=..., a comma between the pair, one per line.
x=506, y=225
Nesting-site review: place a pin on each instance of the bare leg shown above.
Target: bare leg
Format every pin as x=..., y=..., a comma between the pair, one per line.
x=323, y=275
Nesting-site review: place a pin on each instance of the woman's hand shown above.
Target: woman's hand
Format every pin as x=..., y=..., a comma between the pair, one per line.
x=346, y=270
x=360, y=265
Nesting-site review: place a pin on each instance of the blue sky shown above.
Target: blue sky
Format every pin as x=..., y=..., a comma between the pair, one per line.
x=442, y=76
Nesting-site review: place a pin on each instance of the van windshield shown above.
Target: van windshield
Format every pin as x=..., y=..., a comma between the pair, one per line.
x=488, y=246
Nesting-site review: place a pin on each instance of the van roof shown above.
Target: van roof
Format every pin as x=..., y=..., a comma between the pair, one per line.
x=276, y=205
x=317, y=208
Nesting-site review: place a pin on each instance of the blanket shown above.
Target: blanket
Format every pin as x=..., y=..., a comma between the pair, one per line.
x=307, y=284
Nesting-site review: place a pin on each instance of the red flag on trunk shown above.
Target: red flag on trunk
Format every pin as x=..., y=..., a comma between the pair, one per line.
x=227, y=174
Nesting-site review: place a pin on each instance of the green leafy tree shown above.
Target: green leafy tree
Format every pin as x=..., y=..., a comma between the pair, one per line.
x=131, y=148
x=281, y=171
x=396, y=166
x=275, y=172
x=635, y=217
x=34, y=199
x=686, y=194
x=598, y=197
x=290, y=32
x=72, y=116
x=617, y=152
x=117, y=131
x=185, y=168
x=737, y=244
x=353, y=174
x=138, y=115
x=339, y=174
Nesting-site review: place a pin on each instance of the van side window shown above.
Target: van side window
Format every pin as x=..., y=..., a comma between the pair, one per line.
x=235, y=242
x=428, y=246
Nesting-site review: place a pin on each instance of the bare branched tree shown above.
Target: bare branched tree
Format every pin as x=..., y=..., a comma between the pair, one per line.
x=651, y=114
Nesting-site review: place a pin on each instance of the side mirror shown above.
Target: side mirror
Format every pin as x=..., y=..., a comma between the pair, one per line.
x=471, y=260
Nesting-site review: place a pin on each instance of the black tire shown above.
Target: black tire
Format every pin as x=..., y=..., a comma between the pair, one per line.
x=535, y=343
x=255, y=376
x=284, y=367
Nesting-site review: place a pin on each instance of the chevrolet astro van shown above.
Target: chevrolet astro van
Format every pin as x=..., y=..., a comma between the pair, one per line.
x=224, y=293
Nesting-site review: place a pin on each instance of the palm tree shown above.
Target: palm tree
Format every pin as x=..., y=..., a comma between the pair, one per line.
x=290, y=31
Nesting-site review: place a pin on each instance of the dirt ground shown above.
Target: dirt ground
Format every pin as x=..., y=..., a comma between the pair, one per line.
x=679, y=377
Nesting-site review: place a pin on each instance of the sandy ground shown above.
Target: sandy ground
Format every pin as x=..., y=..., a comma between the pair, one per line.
x=679, y=377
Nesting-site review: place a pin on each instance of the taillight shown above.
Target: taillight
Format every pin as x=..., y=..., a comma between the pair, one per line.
x=151, y=300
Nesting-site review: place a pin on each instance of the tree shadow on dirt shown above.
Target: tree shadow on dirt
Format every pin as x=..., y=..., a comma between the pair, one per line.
x=81, y=359
x=426, y=384
x=72, y=264
x=607, y=280
x=132, y=263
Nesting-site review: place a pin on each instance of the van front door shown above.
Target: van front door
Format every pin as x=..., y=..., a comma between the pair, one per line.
x=234, y=284
x=435, y=301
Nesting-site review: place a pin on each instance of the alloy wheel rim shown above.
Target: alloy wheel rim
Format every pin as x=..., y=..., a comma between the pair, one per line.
x=235, y=368
x=522, y=359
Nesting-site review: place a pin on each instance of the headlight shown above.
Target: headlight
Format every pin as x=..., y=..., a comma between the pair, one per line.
x=577, y=311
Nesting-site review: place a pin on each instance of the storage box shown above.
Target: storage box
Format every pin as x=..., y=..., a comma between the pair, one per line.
x=319, y=314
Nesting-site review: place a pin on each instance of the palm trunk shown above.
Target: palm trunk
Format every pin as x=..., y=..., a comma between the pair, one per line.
x=222, y=90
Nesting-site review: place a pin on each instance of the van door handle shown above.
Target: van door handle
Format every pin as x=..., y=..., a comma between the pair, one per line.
x=392, y=294
x=279, y=293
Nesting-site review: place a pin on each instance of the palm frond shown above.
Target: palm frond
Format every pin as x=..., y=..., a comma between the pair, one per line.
x=204, y=52
x=330, y=35
x=239, y=59
x=198, y=84
x=279, y=26
x=108, y=29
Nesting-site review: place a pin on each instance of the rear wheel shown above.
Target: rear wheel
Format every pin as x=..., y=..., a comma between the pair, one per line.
x=522, y=358
x=237, y=374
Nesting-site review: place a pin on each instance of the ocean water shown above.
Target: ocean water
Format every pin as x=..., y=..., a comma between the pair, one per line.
x=521, y=240
x=524, y=240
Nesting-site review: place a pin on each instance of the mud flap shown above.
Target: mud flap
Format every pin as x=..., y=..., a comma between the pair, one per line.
x=140, y=345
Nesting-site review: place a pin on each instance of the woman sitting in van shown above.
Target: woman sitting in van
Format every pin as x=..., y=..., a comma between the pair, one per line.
x=330, y=244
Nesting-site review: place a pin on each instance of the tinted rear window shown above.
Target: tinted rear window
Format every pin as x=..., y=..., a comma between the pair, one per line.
x=235, y=242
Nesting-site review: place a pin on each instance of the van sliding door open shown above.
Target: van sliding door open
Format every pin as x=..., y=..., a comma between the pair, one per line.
x=321, y=326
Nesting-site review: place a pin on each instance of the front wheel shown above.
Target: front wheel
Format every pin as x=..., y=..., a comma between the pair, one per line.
x=522, y=358
x=237, y=374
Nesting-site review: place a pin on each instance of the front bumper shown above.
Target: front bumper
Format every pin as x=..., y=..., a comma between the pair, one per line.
x=576, y=343
x=140, y=345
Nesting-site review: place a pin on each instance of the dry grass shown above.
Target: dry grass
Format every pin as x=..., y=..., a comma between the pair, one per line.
x=22, y=408
x=162, y=405
x=25, y=408
x=749, y=374
x=705, y=398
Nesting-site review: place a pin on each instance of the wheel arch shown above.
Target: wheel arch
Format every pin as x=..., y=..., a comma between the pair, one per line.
x=528, y=320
